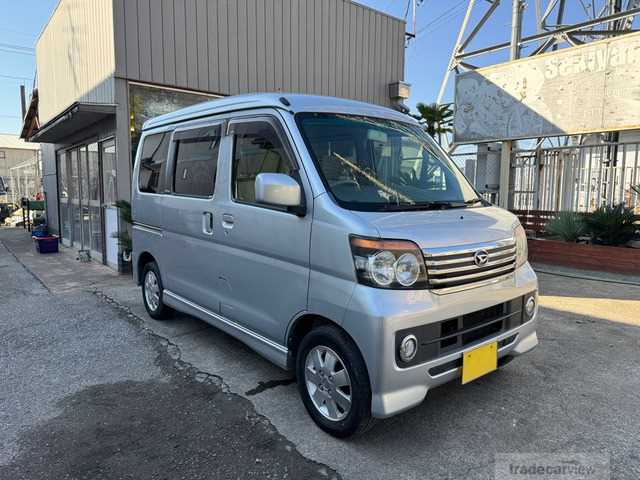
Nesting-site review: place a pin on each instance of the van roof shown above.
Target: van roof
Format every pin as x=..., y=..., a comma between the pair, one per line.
x=297, y=103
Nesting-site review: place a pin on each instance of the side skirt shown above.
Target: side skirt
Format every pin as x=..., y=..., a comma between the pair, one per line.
x=272, y=351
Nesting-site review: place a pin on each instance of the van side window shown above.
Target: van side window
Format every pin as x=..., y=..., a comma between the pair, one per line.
x=257, y=149
x=196, y=161
x=154, y=155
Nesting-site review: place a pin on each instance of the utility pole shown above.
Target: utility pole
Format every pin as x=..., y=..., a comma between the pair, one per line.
x=507, y=145
x=23, y=101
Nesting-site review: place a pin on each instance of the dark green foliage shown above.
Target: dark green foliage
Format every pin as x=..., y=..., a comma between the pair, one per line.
x=612, y=225
x=436, y=119
x=124, y=239
x=568, y=226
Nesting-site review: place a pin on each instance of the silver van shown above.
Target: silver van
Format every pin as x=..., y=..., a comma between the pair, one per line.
x=336, y=239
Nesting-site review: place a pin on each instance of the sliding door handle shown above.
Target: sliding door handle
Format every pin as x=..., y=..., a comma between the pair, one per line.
x=207, y=223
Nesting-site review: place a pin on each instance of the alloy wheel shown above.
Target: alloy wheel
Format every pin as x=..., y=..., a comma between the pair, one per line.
x=328, y=383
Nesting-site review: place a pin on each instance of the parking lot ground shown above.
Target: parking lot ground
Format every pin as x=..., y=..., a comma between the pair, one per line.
x=576, y=393
x=88, y=393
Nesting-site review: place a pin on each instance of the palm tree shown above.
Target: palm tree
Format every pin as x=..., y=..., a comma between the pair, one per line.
x=436, y=119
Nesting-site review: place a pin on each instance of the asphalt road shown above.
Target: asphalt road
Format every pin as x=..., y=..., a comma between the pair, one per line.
x=576, y=393
x=88, y=393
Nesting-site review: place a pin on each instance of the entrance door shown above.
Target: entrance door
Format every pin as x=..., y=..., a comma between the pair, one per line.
x=95, y=245
x=75, y=210
x=85, y=219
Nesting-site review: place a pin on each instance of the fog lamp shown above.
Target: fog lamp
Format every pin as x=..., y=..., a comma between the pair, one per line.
x=408, y=348
x=530, y=306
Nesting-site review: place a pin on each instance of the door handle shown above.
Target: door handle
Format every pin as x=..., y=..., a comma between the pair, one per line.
x=227, y=220
x=207, y=223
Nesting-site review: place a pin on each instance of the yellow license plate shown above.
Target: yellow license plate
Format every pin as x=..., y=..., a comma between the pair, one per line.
x=479, y=362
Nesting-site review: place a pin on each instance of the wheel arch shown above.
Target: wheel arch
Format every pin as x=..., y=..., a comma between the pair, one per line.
x=302, y=325
x=143, y=259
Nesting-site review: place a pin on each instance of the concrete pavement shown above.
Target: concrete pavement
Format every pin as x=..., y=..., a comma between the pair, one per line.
x=577, y=392
x=89, y=393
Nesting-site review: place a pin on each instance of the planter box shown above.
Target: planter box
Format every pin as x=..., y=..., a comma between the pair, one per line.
x=47, y=244
x=586, y=257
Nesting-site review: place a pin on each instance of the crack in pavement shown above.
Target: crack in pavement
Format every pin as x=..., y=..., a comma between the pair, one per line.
x=268, y=385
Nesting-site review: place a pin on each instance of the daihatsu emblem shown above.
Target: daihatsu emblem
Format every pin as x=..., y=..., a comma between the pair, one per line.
x=481, y=257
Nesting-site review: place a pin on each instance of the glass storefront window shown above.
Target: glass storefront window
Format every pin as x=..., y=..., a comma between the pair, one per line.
x=95, y=206
x=109, y=172
x=146, y=102
x=63, y=199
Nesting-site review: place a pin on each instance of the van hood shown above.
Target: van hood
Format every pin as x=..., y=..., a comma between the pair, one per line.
x=444, y=228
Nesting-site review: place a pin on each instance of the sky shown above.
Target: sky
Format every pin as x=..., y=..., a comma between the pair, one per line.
x=426, y=56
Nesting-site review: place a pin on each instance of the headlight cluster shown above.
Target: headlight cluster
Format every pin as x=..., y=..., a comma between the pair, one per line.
x=394, y=264
x=522, y=252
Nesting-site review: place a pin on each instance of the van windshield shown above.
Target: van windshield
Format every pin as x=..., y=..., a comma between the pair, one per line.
x=377, y=164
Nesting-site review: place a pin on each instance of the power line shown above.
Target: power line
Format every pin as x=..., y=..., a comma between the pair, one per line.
x=13, y=77
x=17, y=47
x=442, y=17
x=17, y=51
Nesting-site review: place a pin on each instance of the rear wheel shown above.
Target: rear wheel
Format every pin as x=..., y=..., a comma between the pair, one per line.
x=152, y=292
x=333, y=382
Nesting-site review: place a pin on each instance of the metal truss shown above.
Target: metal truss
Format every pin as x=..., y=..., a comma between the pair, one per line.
x=602, y=19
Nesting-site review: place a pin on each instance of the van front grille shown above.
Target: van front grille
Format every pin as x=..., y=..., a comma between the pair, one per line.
x=454, y=269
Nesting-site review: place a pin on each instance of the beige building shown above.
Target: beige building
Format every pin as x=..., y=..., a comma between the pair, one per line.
x=20, y=168
x=106, y=66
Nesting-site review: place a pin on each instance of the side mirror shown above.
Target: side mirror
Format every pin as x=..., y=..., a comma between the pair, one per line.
x=278, y=189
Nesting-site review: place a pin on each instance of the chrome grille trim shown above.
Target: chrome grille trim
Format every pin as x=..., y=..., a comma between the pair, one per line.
x=472, y=267
x=454, y=269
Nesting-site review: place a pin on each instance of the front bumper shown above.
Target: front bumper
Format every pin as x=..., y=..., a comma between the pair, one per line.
x=374, y=317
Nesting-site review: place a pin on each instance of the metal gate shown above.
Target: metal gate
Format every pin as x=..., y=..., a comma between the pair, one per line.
x=579, y=179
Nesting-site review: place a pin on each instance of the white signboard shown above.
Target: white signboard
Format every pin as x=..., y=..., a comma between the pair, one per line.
x=585, y=89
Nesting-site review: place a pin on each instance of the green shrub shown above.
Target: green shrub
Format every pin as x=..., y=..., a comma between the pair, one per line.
x=612, y=225
x=568, y=226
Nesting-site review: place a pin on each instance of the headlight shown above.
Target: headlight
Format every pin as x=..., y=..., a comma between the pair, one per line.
x=395, y=264
x=521, y=245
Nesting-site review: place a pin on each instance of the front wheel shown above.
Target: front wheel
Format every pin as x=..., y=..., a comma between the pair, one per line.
x=152, y=292
x=333, y=382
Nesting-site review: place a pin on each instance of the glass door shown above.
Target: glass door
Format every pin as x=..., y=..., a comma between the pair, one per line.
x=95, y=202
x=85, y=220
x=63, y=199
x=75, y=212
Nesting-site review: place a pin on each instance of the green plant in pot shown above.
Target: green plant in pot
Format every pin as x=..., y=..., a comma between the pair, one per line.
x=612, y=225
x=567, y=226
x=122, y=235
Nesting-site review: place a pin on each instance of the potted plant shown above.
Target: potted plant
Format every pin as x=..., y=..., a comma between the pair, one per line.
x=122, y=235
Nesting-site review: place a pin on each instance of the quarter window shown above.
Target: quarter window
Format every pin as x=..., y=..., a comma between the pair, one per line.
x=257, y=149
x=154, y=155
x=196, y=161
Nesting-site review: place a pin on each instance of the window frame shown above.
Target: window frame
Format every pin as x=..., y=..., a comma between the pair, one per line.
x=172, y=157
x=289, y=151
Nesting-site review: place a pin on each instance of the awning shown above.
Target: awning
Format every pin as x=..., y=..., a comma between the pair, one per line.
x=77, y=117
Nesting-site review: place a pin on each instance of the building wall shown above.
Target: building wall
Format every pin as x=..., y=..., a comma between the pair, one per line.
x=75, y=57
x=327, y=47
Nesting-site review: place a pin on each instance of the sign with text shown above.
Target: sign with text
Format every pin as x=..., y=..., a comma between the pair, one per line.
x=590, y=88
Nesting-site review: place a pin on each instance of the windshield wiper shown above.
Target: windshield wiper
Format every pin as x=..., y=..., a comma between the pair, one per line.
x=473, y=201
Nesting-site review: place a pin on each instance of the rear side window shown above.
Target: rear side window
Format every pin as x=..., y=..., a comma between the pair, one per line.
x=257, y=149
x=196, y=161
x=154, y=155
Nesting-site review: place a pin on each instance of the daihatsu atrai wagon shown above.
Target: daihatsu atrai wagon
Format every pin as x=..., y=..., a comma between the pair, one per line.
x=336, y=239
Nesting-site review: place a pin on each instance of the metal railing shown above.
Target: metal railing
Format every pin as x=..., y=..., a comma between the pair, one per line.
x=576, y=178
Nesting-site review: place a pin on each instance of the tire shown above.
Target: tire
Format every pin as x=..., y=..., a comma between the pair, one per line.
x=152, y=296
x=326, y=403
